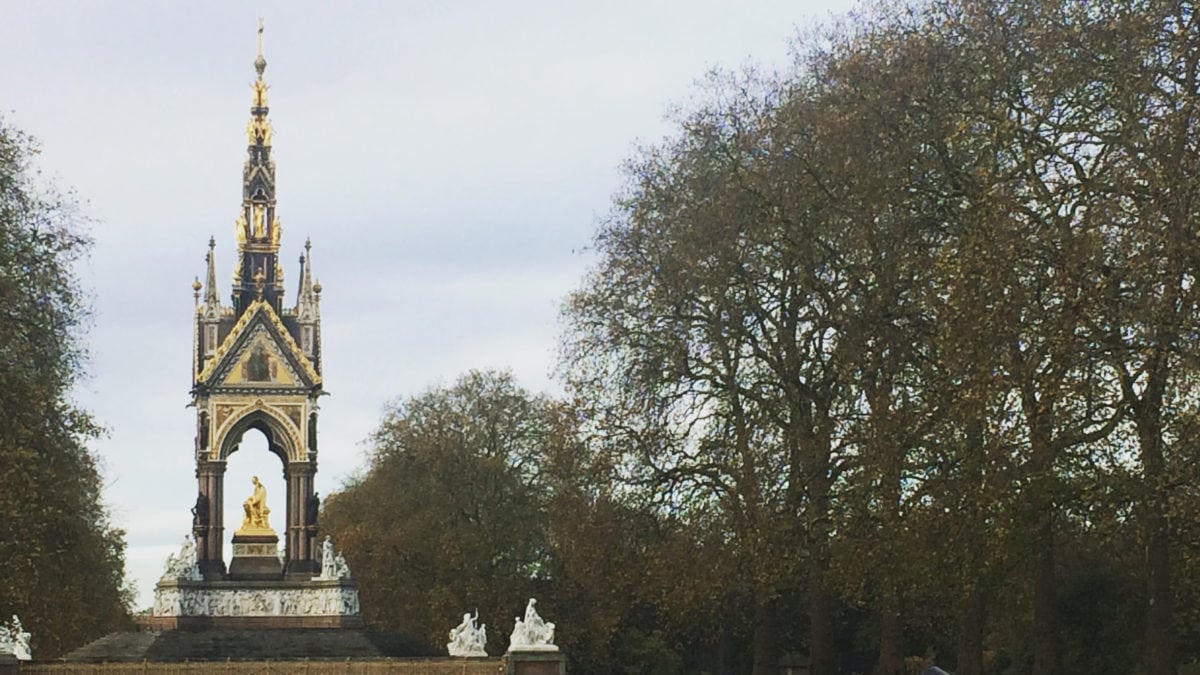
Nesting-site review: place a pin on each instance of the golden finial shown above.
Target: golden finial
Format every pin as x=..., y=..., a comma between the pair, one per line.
x=196, y=290
x=260, y=64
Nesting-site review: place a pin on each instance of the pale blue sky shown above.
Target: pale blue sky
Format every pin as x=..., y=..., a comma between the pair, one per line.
x=449, y=161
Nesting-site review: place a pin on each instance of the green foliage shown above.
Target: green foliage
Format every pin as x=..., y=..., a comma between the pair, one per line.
x=450, y=516
x=895, y=354
x=63, y=562
x=902, y=325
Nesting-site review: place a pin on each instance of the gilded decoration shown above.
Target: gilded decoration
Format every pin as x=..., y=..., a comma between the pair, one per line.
x=278, y=420
x=255, y=520
x=260, y=363
x=231, y=340
x=293, y=412
x=222, y=413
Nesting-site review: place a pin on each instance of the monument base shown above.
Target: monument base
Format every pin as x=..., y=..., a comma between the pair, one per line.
x=255, y=557
x=526, y=662
x=253, y=605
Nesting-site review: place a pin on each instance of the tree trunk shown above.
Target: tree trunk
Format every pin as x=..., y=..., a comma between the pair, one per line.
x=891, y=633
x=721, y=667
x=820, y=630
x=766, y=656
x=1045, y=623
x=1041, y=505
x=970, y=627
x=1159, y=654
x=970, y=634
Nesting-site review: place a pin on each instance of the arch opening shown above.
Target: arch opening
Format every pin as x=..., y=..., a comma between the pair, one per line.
x=251, y=456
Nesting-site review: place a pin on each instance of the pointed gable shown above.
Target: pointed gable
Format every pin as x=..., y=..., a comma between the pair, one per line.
x=259, y=352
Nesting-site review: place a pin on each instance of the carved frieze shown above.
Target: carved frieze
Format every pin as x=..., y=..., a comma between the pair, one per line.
x=198, y=601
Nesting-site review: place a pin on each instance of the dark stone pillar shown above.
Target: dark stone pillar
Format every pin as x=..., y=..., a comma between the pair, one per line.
x=299, y=536
x=210, y=532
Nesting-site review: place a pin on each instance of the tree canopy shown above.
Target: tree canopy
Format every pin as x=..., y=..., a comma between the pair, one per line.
x=63, y=560
x=886, y=360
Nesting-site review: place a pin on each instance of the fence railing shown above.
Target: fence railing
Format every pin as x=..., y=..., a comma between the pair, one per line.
x=444, y=666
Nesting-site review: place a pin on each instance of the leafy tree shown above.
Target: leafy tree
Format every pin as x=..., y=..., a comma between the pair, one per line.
x=915, y=287
x=63, y=561
x=450, y=515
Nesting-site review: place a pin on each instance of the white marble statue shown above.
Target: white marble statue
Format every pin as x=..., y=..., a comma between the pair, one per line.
x=327, y=559
x=532, y=633
x=183, y=565
x=14, y=640
x=340, y=569
x=467, y=639
x=333, y=565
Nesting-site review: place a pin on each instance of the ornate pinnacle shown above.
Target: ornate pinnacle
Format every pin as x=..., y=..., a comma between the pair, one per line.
x=260, y=64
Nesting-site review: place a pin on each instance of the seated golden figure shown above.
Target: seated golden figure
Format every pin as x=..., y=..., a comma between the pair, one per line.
x=255, y=520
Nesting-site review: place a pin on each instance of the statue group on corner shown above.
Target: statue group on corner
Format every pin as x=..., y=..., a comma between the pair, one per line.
x=469, y=637
x=183, y=565
x=14, y=640
x=333, y=565
x=532, y=633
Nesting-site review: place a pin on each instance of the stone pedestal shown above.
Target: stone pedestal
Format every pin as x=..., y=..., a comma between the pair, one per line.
x=255, y=558
x=536, y=663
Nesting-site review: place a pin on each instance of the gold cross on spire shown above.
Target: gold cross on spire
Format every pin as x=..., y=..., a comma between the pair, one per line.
x=260, y=64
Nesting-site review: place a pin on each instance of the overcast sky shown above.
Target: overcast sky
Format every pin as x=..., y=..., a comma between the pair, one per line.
x=449, y=161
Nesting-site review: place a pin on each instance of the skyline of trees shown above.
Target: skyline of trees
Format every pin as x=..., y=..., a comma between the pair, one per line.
x=889, y=357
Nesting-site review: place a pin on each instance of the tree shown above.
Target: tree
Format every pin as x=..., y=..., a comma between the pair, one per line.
x=917, y=286
x=450, y=514
x=63, y=560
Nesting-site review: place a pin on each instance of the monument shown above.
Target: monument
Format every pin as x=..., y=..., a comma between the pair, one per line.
x=256, y=364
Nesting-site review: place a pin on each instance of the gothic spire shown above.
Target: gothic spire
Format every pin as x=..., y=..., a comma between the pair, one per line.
x=212, y=304
x=306, y=302
x=258, y=227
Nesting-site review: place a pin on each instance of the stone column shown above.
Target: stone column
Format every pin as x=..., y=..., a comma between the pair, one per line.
x=299, y=537
x=209, y=539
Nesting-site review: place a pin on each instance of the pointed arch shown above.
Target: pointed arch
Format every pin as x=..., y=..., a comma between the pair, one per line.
x=282, y=439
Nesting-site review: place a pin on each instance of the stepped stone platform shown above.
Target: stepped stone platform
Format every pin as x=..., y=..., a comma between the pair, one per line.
x=248, y=645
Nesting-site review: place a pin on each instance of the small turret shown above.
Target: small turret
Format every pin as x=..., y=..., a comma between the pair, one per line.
x=308, y=308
